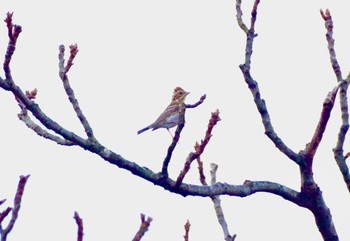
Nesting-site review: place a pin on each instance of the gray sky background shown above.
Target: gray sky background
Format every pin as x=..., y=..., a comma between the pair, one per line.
x=132, y=55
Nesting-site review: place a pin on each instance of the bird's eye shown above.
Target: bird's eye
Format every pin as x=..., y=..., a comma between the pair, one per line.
x=180, y=93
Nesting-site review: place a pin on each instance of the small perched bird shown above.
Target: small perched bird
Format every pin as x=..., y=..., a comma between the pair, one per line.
x=170, y=116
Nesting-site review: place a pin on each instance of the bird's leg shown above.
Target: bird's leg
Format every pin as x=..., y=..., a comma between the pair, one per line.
x=170, y=133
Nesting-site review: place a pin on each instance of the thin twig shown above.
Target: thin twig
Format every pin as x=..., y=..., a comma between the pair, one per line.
x=199, y=148
x=217, y=206
x=173, y=144
x=13, y=33
x=63, y=70
x=187, y=230
x=145, y=223
x=23, y=116
x=16, y=207
x=79, y=222
x=328, y=104
x=3, y=215
x=239, y=15
x=177, y=134
x=329, y=36
x=201, y=171
x=201, y=100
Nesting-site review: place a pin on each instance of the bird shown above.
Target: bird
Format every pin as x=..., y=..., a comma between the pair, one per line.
x=170, y=116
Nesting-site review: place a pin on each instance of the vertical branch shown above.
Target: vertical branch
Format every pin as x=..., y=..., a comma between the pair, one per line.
x=343, y=130
x=63, y=70
x=187, y=230
x=322, y=124
x=343, y=84
x=217, y=206
x=145, y=223
x=79, y=222
x=176, y=138
x=177, y=134
x=13, y=33
x=253, y=85
x=215, y=199
x=329, y=36
x=15, y=210
x=199, y=148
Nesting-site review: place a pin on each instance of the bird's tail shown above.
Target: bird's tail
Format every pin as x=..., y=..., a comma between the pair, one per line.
x=142, y=130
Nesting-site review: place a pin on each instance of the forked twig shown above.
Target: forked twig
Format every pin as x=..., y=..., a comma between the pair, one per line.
x=145, y=223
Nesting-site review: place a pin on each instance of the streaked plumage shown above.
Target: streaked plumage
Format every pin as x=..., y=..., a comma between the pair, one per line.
x=170, y=116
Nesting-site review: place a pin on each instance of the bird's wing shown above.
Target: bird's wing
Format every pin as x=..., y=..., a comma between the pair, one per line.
x=172, y=109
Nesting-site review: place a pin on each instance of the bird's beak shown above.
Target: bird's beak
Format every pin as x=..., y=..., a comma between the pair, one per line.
x=187, y=93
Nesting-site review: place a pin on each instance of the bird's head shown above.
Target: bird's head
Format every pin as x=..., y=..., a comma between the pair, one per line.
x=179, y=95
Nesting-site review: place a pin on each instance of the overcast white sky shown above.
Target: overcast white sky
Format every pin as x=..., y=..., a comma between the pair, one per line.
x=132, y=55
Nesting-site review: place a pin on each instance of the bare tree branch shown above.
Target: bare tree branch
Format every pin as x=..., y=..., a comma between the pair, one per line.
x=328, y=104
x=199, y=148
x=201, y=100
x=23, y=116
x=239, y=15
x=13, y=33
x=329, y=36
x=145, y=223
x=217, y=206
x=254, y=88
x=3, y=215
x=177, y=134
x=187, y=230
x=310, y=196
x=69, y=91
x=79, y=222
x=343, y=130
x=17, y=205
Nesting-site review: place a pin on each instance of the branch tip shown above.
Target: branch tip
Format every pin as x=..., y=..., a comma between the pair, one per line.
x=145, y=223
x=187, y=230
x=79, y=222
